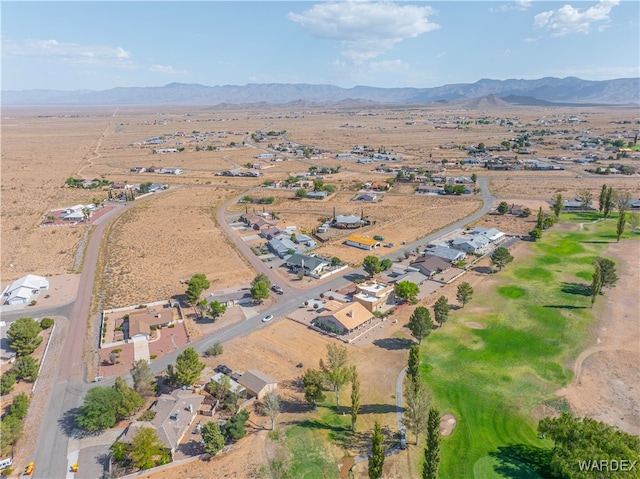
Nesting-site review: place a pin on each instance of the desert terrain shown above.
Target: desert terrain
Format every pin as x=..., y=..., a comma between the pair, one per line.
x=157, y=243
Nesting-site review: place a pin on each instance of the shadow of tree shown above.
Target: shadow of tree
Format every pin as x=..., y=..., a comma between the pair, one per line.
x=580, y=289
x=377, y=409
x=482, y=269
x=69, y=427
x=564, y=306
x=393, y=344
x=522, y=461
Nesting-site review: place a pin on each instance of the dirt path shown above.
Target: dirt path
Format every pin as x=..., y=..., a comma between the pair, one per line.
x=607, y=378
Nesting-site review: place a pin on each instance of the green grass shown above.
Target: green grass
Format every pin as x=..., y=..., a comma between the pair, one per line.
x=511, y=292
x=491, y=379
x=309, y=457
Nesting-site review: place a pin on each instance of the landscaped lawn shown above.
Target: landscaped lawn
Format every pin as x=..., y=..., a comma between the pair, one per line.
x=493, y=380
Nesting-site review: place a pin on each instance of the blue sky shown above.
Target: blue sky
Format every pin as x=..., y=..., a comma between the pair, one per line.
x=102, y=45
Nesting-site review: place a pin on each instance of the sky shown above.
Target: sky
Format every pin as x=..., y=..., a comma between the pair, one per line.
x=103, y=45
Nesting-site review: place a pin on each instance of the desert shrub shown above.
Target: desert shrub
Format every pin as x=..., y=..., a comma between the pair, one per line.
x=46, y=323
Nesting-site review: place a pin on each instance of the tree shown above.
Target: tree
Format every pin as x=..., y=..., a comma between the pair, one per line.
x=130, y=401
x=432, y=449
x=10, y=431
x=406, y=290
x=634, y=221
x=235, y=429
x=596, y=282
x=474, y=177
x=202, y=306
x=585, y=196
x=215, y=350
x=579, y=440
x=608, y=202
x=196, y=285
x=548, y=222
x=24, y=336
x=19, y=406
x=259, y=292
x=376, y=459
x=7, y=381
x=441, y=310
x=540, y=219
x=602, y=198
x=271, y=407
x=536, y=234
x=143, y=380
x=371, y=265
x=145, y=449
x=608, y=274
x=212, y=437
x=622, y=217
x=503, y=207
x=217, y=309
x=385, y=264
x=335, y=370
x=355, y=397
x=413, y=365
x=417, y=399
x=501, y=257
x=420, y=323
x=623, y=201
x=46, y=323
x=187, y=369
x=261, y=278
x=465, y=293
x=98, y=412
x=558, y=205
x=301, y=193
x=312, y=382
x=25, y=369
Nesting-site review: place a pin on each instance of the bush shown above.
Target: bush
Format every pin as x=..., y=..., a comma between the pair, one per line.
x=117, y=350
x=33, y=302
x=46, y=323
x=215, y=350
x=7, y=381
x=148, y=415
x=153, y=356
x=7, y=471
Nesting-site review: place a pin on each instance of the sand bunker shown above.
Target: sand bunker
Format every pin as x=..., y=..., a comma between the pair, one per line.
x=474, y=325
x=447, y=423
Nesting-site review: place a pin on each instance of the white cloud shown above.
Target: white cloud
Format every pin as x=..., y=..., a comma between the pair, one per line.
x=530, y=40
x=167, y=69
x=440, y=54
x=507, y=52
x=568, y=19
x=388, y=66
x=366, y=29
x=517, y=5
x=66, y=52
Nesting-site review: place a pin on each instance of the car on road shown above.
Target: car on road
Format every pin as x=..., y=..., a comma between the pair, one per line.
x=267, y=318
x=277, y=289
x=221, y=368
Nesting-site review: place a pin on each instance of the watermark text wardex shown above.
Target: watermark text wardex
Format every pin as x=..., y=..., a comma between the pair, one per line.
x=607, y=465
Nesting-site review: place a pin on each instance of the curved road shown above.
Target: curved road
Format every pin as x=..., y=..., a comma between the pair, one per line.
x=70, y=385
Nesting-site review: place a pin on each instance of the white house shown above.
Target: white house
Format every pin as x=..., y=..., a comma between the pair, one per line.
x=21, y=290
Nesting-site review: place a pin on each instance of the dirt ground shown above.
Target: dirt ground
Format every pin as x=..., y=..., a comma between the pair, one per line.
x=607, y=378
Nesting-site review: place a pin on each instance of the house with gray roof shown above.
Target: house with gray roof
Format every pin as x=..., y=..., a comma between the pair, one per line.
x=444, y=252
x=430, y=265
x=306, y=240
x=470, y=244
x=281, y=246
x=174, y=414
x=308, y=264
x=317, y=195
x=348, y=221
x=494, y=235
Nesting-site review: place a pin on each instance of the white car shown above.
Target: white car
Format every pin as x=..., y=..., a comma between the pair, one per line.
x=267, y=318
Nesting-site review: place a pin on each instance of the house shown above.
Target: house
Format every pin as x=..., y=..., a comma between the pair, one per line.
x=173, y=171
x=174, y=414
x=138, y=322
x=473, y=244
x=138, y=169
x=272, y=232
x=348, y=221
x=234, y=386
x=362, y=242
x=281, y=246
x=306, y=240
x=323, y=228
x=231, y=299
x=415, y=277
x=635, y=204
x=343, y=318
x=492, y=234
x=21, y=290
x=317, y=195
x=446, y=253
x=576, y=205
x=257, y=383
x=429, y=265
x=429, y=189
x=372, y=295
x=368, y=197
x=157, y=186
x=517, y=210
x=257, y=221
x=380, y=186
x=307, y=264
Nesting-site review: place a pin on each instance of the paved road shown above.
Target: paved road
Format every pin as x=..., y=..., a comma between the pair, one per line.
x=70, y=386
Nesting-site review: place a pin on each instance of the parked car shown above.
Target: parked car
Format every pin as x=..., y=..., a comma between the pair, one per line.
x=221, y=368
x=277, y=289
x=388, y=245
x=267, y=318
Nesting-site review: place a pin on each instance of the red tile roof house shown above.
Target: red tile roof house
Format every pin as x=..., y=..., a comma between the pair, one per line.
x=380, y=186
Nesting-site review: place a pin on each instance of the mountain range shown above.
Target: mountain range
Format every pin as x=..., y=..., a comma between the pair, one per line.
x=549, y=90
